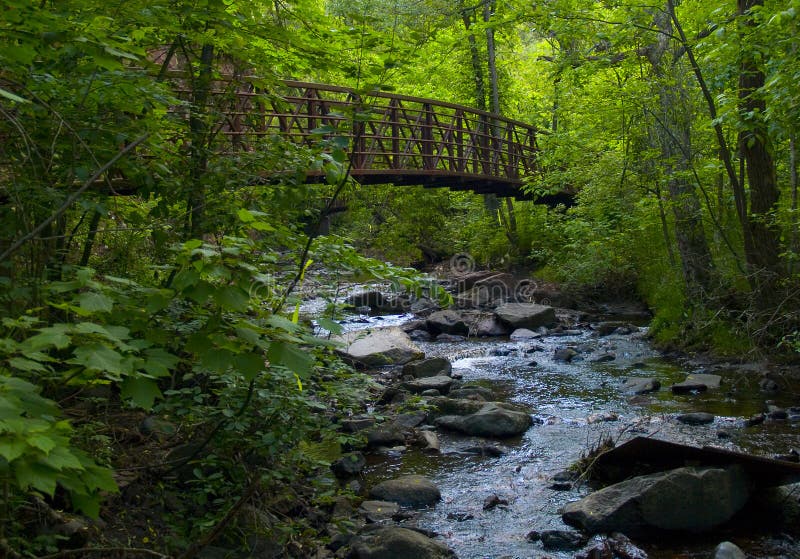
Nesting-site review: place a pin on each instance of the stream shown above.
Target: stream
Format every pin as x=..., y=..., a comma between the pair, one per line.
x=570, y=402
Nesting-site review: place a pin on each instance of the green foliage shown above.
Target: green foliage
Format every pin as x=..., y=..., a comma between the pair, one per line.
x=36, y=454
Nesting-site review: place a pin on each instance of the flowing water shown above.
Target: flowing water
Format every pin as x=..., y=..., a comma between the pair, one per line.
x=564, y=397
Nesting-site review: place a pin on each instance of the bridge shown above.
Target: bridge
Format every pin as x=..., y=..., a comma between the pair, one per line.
x=390, y=138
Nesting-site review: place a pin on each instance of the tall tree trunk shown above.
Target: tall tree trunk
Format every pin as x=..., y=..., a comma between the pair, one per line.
x=674, y=140
x=477, y=67
x=763, y=258
x=793, y=181
x=488, y=10
x=196, y=196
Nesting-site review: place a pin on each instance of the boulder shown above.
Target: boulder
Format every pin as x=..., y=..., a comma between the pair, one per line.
x=641, y=385
x=526, y=315
x=604, y=358
x=386, y=435
x=611, y=546
x=392, y=542
x=460, y=406
x=491, y=328
x=472, y=393
x=420, y=385
x=349, y=465
x=378, y=511
x=420, y=335
x=371, y=299
x=493, y=501
x=432, y=367
x=490, y=421
x=452, y=338
x=356, y=424
x=411, y=419
x=611, y=327
x=384, y=346
x=561, y=540
x=697, y=383
x=428, y=441
x=565, y=354
x=407, y=491
x=691, y=499
x=728, y=550
x=424, y=306
x=447, y=322
x=524, y=334
x=696, y=418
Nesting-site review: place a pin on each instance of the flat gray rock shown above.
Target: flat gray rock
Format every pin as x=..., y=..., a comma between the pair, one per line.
x=447, y=322
x=526, y=315
x=383, y=346
x=697, y=383
x=696, y=418
x=420, y=385
x=378, y=511
x=524, y=334
x=641, y=385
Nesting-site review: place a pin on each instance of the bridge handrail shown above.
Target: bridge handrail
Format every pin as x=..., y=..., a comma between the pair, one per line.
x=399, y=138
x=410, y=98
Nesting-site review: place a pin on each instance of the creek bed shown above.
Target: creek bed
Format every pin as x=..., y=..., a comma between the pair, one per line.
x=563, y=397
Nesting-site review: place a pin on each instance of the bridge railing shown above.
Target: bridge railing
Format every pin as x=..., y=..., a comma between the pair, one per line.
x=388, y=134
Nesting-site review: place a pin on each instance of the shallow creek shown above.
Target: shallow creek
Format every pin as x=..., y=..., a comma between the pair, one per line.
x=563, y=396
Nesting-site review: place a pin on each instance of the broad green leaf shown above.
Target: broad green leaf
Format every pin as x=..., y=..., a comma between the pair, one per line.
x=250, y=365
x=51, y=336
x=61, y=458
x=331, y=326
x=232, y=298
x=186, y=278
x=282, y=323
x=100, y=358
x=158, y=362
x=141, y=391
x=22, y=364
x=11, y=447
x=245, y=216
x=87, y=504
x=42, y=442
x=95, y=302
x=216, y=359
x=293, y=358
x=34, y=474
x=200, y=292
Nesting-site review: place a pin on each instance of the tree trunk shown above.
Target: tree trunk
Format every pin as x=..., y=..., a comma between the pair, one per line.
x=763, y=258
x=793, y=181
x=477, y=67
x=674, y=140
x=488, y=10
x=196, y=196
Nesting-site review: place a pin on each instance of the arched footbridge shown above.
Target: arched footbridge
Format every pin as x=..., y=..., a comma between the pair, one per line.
x=395, y=139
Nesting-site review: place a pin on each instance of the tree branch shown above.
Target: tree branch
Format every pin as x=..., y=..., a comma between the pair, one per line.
x=72, y=198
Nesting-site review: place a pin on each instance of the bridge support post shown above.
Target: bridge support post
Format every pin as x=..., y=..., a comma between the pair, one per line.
x=427, y=138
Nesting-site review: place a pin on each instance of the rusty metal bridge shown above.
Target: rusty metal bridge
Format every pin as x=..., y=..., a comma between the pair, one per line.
x=391, y=139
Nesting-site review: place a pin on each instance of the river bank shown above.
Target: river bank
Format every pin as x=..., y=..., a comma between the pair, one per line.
x=571, y=379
